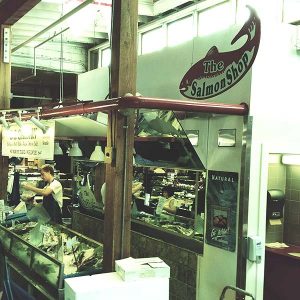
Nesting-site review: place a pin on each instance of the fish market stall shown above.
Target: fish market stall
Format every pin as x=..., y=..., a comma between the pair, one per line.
x=44, y=255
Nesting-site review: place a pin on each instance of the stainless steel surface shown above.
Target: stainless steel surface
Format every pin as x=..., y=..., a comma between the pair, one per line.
x=227, y=137
x=244, y=203
x=193, y=136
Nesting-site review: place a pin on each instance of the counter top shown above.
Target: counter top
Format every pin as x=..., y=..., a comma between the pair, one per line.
x=285, y=251
x=282, y=273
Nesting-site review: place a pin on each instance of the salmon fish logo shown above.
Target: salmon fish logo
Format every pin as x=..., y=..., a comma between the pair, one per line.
x=219, y=71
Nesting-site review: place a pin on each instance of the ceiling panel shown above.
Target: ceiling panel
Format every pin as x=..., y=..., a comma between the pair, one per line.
x=87, y=28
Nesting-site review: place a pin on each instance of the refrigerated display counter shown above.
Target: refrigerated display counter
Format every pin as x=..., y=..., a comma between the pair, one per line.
x=44, y=255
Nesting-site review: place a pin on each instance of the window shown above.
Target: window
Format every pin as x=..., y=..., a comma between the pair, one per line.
x=105, y=57
x=180, y=31
x=152, y=40
x=215, y=19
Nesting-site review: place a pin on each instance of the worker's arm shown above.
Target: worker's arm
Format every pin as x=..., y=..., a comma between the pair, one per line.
x=44, y=192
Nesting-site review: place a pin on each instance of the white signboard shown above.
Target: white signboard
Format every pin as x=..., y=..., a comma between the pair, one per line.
x=29, y=141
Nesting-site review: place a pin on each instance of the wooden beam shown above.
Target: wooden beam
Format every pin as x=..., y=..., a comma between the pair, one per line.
x=13, y=10
x=121, y=134
x=5, y=84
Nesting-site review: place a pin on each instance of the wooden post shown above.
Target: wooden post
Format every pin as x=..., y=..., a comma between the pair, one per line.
x=121, y=134
x=5, y=84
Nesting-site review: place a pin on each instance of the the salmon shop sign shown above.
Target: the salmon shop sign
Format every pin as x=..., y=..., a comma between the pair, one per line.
x=219, y=71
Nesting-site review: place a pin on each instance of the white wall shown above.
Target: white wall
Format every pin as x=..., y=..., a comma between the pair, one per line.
x=275, y=110
x=218, y=267
x=159, y=73
x=93, y=85
x=201, y=124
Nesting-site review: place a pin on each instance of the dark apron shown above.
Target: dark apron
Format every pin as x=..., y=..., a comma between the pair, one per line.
x=52, y=208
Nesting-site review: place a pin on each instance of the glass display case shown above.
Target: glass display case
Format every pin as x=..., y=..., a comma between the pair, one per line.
x=171, y=200
x=44, y=255
x=163, y=157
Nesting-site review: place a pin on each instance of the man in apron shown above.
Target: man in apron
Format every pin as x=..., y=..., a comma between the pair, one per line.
x=52, y=194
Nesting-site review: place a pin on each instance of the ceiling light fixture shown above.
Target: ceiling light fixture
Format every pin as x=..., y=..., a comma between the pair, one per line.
x=4, y=122
x=17, y=120
x=290, y=159
x=57, y=149
x=75, y=150
x=97, y=154
x=39, y=124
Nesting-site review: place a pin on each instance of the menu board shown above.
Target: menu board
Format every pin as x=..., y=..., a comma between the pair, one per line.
x=29, y=141
x=222, y=194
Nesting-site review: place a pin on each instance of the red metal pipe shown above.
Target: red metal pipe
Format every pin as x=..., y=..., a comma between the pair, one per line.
x=142, y=102
x=183, y=105
x=79, y=109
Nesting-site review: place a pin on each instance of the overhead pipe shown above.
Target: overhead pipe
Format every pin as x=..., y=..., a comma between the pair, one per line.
x=57, y=22
x=183, y=105
x=134, y=102
x=31, y=97
x=34, y=57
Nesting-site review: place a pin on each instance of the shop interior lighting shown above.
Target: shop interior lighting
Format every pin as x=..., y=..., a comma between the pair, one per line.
x=36, y=121
x=290, y=159
x=57, y=149
x=97, y=154
x=274, y=158
x=39, y=124
x=4, y=122
x=75, y=150
x=18, y=121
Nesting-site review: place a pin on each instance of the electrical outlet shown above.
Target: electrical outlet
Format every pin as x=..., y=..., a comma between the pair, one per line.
x=109, y=155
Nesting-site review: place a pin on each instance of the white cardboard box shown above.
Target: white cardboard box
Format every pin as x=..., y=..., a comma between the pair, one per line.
x=109, y=286
x=130, y=269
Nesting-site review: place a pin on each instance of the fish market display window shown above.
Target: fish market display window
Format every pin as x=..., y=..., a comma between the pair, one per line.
x=169, y=178
x=168, y=190
x=44, y=255
x=169, y=202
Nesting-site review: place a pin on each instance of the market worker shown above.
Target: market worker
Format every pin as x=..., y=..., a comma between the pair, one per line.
x=170, y=204
x=52, y=193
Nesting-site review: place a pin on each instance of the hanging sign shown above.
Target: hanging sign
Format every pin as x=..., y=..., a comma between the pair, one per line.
x=219, y=71
x=29, y=141
x=222, y=189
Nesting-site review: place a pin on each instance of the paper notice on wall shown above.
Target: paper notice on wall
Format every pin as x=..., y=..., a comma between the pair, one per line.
x=275, y=222
x=29, y=141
